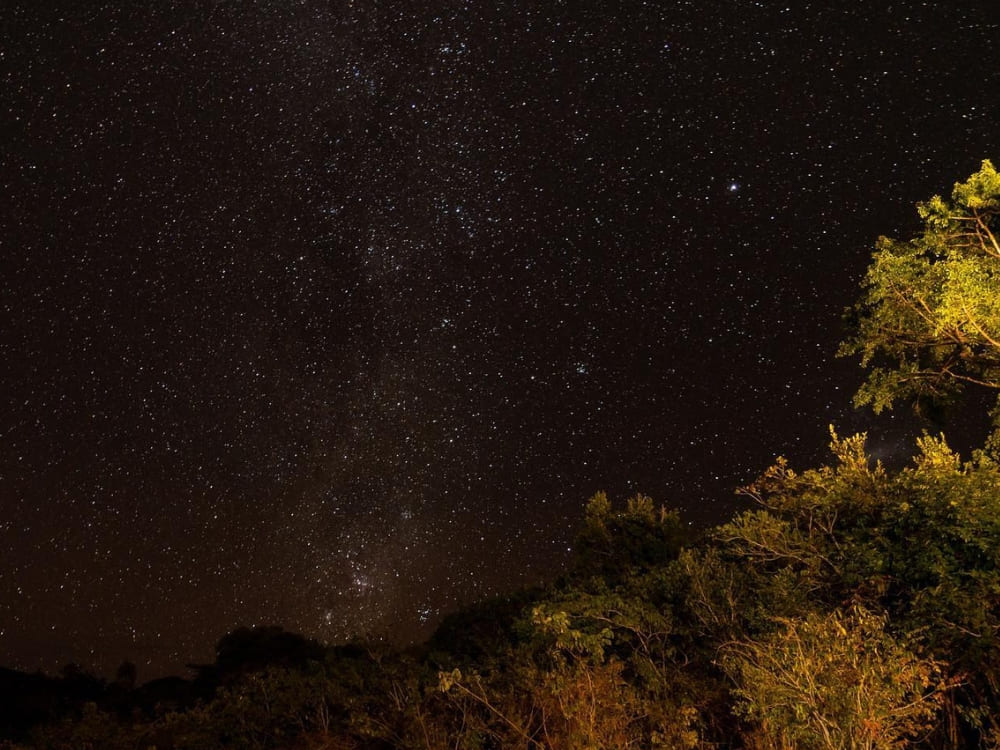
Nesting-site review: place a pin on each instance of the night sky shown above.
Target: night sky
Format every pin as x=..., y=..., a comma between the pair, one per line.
x=333, y=313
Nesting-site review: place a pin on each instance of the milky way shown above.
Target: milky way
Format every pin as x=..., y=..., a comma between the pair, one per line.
x=333, y=314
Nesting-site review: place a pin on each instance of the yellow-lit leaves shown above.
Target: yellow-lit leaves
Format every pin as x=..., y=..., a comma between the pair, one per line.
x=834, y=681
x=929, y=321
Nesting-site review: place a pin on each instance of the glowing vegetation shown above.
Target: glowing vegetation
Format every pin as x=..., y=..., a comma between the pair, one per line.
x=928, y=324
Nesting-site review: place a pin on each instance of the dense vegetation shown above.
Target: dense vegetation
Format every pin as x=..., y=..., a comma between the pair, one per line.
x=852, y=607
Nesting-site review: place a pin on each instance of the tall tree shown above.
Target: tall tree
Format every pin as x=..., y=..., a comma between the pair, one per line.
x=928, y=323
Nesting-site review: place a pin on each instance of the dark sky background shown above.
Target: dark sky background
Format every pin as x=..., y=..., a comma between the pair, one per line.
x=333, y=313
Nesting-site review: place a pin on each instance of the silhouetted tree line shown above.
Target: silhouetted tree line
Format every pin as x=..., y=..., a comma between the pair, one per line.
x=28, y=701
x=850, y=607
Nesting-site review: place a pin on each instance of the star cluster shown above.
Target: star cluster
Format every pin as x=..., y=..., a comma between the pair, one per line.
x=333, y=313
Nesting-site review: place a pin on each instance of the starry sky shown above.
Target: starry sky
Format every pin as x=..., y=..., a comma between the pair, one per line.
x=333, y=313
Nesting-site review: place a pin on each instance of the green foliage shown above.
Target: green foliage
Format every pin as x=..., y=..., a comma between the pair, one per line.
x=817, y=535
x=593, y=663
x=921, y=545
x=834, y=682
x=591, y=677
x=613, y=542
x=929, y=321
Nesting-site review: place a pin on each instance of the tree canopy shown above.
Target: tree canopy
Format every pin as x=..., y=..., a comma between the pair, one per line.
x=928, y=323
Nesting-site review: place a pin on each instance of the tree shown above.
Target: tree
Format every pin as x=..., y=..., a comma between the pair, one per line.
x=245, y=650
x=920, y=545
x=928, y=323
x=126, y=675
x=834, y=682
x=614, y=542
